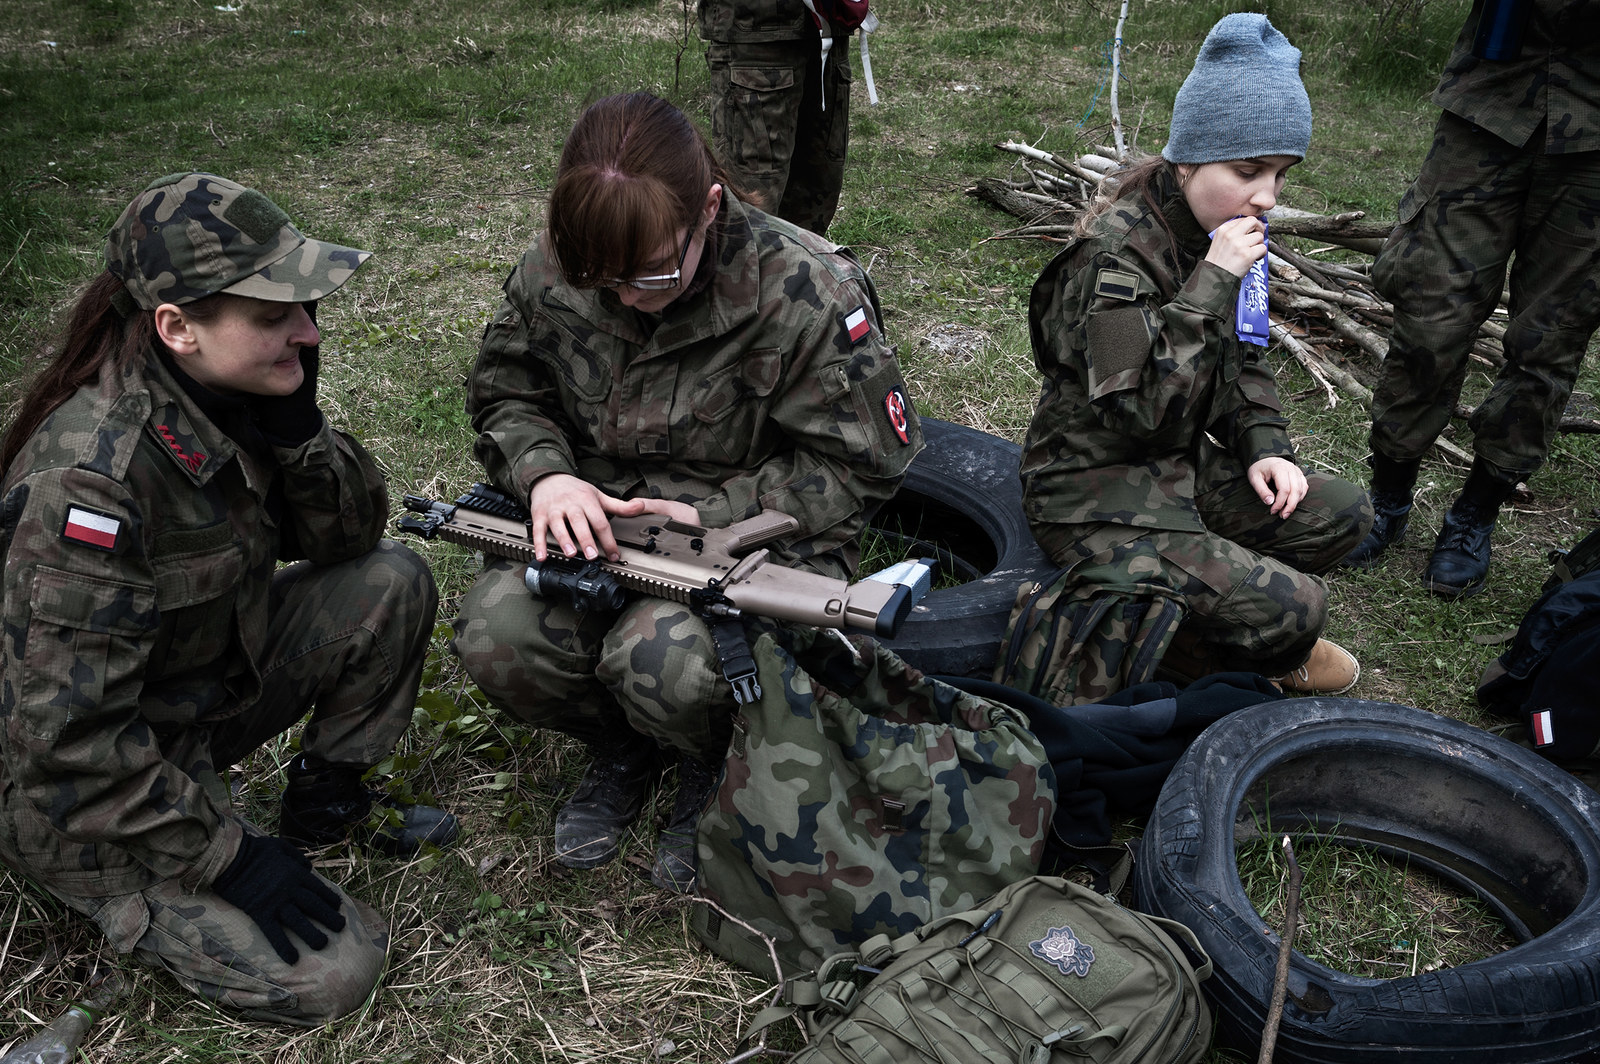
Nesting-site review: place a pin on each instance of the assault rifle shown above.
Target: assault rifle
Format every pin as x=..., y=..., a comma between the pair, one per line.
x=721, y=572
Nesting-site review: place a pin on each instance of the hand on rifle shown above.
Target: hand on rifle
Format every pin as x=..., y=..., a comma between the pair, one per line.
x=578, y=515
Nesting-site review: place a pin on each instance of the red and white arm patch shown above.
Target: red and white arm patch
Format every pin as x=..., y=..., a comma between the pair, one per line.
x=857, y=325
x=92, y=528
x=894, y=406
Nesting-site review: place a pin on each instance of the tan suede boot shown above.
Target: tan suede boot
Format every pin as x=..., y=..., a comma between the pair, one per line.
x=1330, y=670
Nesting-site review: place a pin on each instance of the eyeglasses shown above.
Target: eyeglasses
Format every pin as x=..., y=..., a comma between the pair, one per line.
x=658, y=282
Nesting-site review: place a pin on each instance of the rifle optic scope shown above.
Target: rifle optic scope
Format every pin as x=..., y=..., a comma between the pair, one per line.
x=589, y=586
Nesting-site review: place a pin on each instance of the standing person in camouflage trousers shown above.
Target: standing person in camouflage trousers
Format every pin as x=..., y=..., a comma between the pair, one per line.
x=665, y=348
x=1514, y=170
x=1159, y=451
x=780, y=116
x=161, y=466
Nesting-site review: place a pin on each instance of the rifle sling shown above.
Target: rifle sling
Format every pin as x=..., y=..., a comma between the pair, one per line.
x=733, y=654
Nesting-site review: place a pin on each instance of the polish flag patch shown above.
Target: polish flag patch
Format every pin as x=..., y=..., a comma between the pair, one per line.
x=1544, y=732
x=857, y=325
x=92, y=528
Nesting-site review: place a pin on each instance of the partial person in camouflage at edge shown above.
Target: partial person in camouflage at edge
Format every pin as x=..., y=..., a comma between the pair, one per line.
x=161, y=466
x=1159, y=450
x=1514, y=170
x=780, y=118
x=665, y=348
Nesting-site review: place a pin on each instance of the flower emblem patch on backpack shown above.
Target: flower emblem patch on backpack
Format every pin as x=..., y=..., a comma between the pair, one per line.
x=1065, y=950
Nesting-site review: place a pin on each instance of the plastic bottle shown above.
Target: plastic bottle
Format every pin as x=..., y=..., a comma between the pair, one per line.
x=59, y=1041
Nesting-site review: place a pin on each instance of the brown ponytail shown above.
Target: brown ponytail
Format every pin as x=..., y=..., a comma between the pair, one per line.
x=97, y=335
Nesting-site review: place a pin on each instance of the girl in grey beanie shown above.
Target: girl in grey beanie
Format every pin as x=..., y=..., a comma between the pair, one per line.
x=1159, y=455
x=1243, y=98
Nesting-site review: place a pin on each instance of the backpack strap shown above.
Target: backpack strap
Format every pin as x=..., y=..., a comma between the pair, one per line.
x=816, y=997
x=825, y=28
x=1202, y=971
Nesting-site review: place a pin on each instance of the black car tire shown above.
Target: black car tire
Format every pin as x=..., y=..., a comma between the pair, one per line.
x=961, y=503
x=1492, y=817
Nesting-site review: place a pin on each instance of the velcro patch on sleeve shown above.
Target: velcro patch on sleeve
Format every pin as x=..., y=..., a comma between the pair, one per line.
x=92, y=528
x=1119, y=340
x=1116, y=284
x=857, y=325
x=894, y=405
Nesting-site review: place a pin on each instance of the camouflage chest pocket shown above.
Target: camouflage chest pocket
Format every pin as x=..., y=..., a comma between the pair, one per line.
x=198, y=574
x=83, y=638
x=730, y=405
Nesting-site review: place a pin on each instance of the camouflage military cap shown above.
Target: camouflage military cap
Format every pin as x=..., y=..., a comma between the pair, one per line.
x=192, y=235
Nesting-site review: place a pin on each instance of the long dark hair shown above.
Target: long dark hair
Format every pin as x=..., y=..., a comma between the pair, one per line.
x=1135, y=181
x=634, y=170
x=97, y=335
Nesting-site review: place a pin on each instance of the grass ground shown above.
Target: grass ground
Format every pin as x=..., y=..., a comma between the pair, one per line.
x=427, y=133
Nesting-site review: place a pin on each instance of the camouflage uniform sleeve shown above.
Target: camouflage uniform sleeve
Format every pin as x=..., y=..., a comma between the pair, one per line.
x=513, y=401
x=852, y=423
x=1148, y=368
x=80, y=624
x=335, y=496
x=1258, y=429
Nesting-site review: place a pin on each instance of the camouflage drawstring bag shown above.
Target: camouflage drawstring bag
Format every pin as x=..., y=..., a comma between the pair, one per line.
x=861, y=798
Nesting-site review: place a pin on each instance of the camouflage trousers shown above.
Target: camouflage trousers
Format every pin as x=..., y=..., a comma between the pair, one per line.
x=217, y=952
x=650, y=666
x=1248, y=582
x=770, y=127
x=346, y=642
x=1477, y=204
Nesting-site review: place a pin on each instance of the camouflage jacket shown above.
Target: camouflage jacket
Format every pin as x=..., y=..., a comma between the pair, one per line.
x=1135, y=340
x=139, y=546
x=753, y=21
x=769, y=388
x=1555, y=81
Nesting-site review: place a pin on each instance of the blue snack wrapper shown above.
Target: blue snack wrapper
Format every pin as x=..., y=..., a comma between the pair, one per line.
x=1250, y=320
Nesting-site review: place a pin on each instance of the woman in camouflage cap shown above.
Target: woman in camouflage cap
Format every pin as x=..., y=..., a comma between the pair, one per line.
x=1159, y=452
x=163, y=464
x=665, y=347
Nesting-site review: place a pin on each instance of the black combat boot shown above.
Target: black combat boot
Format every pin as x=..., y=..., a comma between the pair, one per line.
x=589, y=827
x=1392, y=483
x=327, y=803
x=1460, y=561
x=675, y=847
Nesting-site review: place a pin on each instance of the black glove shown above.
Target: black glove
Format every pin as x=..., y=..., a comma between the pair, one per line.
x=271, y=881
x=290, y=420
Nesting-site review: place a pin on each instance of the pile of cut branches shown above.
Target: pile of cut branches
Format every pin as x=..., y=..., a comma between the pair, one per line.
x=1325, y=310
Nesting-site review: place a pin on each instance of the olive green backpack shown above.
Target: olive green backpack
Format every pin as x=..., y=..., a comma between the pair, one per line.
x=1045, y=972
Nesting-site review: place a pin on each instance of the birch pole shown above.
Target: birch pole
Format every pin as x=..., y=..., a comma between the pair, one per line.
x=1116, y=77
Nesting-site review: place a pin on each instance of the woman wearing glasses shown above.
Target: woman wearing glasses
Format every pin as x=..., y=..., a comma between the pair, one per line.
x=664, y=347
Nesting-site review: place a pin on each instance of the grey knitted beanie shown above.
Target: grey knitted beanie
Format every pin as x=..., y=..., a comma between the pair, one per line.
x=1243, y=99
